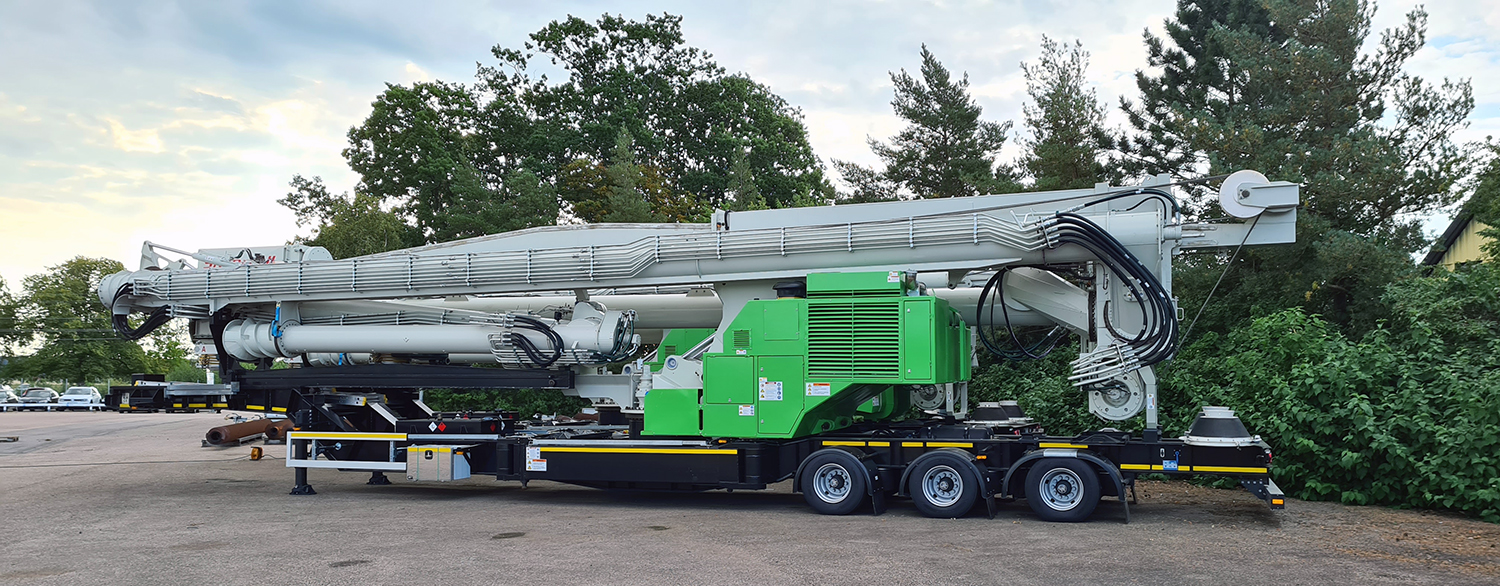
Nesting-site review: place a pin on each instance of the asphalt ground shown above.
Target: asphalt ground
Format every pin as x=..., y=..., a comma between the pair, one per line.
x=107, y=498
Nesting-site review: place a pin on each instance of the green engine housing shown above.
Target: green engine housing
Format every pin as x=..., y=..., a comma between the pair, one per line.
x=793, y=367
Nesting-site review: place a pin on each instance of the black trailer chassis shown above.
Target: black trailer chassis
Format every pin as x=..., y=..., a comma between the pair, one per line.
x=375, y=422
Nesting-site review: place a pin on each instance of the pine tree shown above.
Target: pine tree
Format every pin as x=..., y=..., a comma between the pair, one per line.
x=1197, y=78
x=1069, y=144
x=946, y=151
x=1283, y=88
x=626, y=203
x=742, y=193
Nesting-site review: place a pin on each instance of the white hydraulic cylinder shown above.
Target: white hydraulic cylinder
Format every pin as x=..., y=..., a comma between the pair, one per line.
x=252, y=340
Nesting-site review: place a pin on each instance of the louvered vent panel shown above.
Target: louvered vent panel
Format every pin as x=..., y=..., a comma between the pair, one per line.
x=854, y=340
x=741, y=338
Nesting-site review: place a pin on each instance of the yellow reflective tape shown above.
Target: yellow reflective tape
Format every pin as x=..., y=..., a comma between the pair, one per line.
x=420, y=449
x=842, y=443
x=255, y=407
x=219, y=405
x=880, y=444
x=1239, y=469
x=911, y=444
x=950, y=444
x=279, y=409
x=1135, y=466
x=1156, y=467
x=635, y=450
x=179, y=405
x=1057, y=445
x=198, y=405
x=338, y=435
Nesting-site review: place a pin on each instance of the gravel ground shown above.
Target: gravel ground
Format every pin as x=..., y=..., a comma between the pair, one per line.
x=105, y=498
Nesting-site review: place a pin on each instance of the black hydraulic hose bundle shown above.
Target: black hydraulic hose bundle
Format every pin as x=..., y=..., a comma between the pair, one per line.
x=527, y=346
x=121, y=323
x=1021, y=352
x=1157, y=340
x=621, y=348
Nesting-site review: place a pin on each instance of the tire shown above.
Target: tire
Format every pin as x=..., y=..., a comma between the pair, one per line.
x=1062, y=489
x=943, y=486
x=833, y=482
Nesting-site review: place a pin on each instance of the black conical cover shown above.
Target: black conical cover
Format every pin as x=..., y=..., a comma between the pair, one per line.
x=1218, y=426
x=997, y=411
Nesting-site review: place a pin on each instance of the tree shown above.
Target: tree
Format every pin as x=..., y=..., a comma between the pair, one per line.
x=347, y=226
x=1484, y=202
x=586, y=186
x=1281, y=87
x=742, y=193
x=1069, y=145
x=626, y=203
x=416, y=151
x=687, y=116
x=60, y=311
x=1197, y=76
x=946, y=151
x=444, y=156
x=9, y=329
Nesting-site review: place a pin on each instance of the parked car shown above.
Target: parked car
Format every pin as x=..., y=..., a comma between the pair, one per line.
x=39, y=395
x=80, y=397
x=8, y=395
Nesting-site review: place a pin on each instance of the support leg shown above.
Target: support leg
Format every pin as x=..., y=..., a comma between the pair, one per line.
x=377, y=478
x=299, y=449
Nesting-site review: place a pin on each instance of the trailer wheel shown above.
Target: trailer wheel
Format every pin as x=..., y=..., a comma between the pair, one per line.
x=943, y=486
x=833, y=482
x=1062, y=489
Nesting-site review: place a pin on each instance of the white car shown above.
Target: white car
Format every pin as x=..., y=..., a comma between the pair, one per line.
x=80, y=397
x=8, y=395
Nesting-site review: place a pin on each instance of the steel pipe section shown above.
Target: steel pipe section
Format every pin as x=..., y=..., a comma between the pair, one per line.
x=229, y=433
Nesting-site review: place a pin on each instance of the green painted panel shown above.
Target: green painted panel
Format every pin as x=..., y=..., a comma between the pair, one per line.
x=728, y=379
x=672, y=412
x=783, y=319
x=780, y=394
x=857, y=339
x=677, y=341
x=730, y=421
x=917, y=338
x=821, y=285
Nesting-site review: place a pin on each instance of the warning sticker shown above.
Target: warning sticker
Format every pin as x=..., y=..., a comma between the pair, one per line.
x=534, y=461
x=770, y=390
x=893, y=277
x=747, y=410
x=819, y=389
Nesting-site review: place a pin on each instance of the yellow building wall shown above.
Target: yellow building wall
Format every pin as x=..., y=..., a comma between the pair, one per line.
x=1466, y=247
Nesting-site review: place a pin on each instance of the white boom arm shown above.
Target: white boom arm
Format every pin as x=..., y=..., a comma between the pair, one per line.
x=476, y=299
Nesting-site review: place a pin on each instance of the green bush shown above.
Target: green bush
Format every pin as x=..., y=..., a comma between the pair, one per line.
x=527, y=402
x=1040, y=387
x=1409, y=415
x=1390, y=420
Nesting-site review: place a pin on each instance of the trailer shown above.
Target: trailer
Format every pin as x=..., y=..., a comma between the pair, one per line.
x=150, y=393
x=831, y=347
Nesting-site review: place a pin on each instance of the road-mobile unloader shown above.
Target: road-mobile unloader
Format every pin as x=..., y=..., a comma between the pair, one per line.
x=789, y=344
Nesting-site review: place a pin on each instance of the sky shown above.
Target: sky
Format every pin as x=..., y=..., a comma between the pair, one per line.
x=182, y=122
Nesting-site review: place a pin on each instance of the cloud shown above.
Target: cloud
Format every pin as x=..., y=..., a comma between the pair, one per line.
x=181, y=122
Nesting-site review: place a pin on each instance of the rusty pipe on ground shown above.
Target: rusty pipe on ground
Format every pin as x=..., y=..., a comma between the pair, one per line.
x=276, y=430
x=229, y=433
